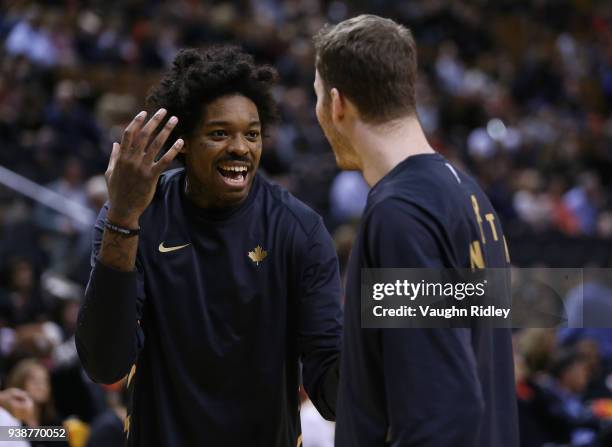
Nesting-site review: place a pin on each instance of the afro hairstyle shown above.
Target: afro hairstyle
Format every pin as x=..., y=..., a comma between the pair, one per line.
x=198, y=77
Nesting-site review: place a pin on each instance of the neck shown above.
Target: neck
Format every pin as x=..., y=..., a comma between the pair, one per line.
x=199, y=195
x=196, y=192
x=381, y=148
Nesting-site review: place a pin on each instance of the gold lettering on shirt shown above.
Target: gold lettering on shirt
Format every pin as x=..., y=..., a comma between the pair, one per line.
x=506, y=250
x=491, y=219
x=476, y=259
x=131, y=374
x=478, y=217
x=126, y=425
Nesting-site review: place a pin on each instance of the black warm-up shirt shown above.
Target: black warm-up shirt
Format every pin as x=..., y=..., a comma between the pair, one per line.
x=444, y=387
x=213, y=324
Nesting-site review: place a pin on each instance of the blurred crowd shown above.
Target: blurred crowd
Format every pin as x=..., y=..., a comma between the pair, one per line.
x=563, y=388
x=517, y=93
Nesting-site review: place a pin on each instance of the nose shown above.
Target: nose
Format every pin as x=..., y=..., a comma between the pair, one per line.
x=238, y=146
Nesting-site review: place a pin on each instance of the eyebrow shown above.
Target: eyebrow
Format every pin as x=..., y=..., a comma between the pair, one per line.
x=227, y=123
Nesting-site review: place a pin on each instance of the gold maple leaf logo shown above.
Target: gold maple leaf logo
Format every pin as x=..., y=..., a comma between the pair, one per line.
x=258, y=254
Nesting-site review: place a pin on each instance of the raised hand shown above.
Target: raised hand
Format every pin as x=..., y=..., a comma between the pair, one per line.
x=132, y=172
x=18, y=403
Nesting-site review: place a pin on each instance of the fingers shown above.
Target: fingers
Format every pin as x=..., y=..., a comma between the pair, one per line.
x=23, y=408
x=15, y=396
x=114, y=156
x=18, y=394
x=136, y=139
x=160, y=139
x=165, y=161
x=144, y=136
x=131, y=130
x=112, y=162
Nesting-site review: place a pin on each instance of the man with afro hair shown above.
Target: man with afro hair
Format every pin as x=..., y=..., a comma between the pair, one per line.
x=214, y=290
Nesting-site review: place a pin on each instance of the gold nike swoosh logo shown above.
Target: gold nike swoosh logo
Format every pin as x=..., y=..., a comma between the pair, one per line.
x=163, y=249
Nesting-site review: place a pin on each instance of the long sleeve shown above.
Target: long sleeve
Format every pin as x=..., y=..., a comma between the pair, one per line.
x=109, y=336
x=434, y=395
x=432, y=388
x=320, y=321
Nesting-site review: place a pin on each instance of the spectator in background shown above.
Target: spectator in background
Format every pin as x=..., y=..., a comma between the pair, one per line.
x=598, y=388
x=16, y=406
x=530, y=201
x=589, y=309
x=585, y=200
x=485, y=94
x=64, y=232
x=31, y=37
x=551, y=393
x=536, y=346
x=604, y=224
x=33, y=378
x=75, y=130
x=17, y=403
x=569, y=420
x=78, y=267
x=68, y=311
x=348, y=196
x=107, y=429
x=21, y=302
x=563, y=218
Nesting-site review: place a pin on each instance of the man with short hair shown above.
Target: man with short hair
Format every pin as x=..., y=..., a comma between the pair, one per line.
x=437, y=387
x=210, y=284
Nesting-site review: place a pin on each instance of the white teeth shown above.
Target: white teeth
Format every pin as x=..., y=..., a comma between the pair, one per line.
x=238, y=178
x=234, y=168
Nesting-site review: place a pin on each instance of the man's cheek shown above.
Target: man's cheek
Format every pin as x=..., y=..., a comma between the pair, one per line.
x=210, y=146
x=321, y=116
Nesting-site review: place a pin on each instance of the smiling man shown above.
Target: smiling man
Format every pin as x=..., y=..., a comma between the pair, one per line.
x=209, y=283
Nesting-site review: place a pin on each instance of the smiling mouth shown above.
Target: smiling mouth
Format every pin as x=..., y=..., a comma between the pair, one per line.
x=233, y=174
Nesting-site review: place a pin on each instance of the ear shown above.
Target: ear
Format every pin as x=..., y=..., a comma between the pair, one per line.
x=338, y=106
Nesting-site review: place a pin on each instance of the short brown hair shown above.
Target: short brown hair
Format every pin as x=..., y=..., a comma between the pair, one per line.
x=372, y=61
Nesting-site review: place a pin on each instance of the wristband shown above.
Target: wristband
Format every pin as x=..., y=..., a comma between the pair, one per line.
x=128, y=232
